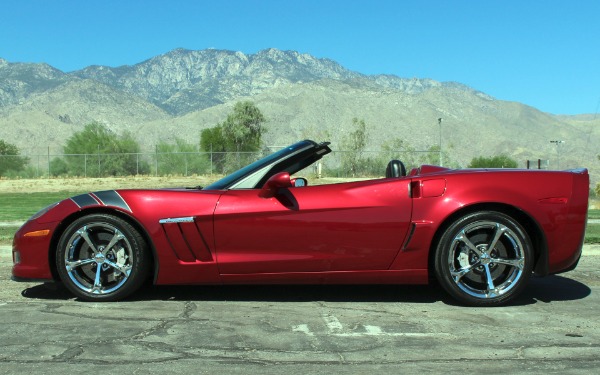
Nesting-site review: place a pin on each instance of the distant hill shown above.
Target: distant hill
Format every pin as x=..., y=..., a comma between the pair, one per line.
x=182, y=92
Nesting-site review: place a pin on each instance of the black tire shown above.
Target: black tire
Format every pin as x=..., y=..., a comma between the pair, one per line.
x=102, y=258
x=484, y=259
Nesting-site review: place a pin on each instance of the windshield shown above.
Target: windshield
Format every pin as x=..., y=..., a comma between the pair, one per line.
x=257, y=166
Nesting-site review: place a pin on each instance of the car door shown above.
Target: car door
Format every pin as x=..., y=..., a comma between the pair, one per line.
x=348, y=226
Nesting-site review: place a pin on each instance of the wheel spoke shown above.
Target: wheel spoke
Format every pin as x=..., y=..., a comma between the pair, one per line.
x=71, y=265
x=500, y=229
x=97, y=288
x=517, y=263
x=126, y=269
x=84, y=234
x=491, y=291
x=458, y=274
x=462, y=236
x=116, y=238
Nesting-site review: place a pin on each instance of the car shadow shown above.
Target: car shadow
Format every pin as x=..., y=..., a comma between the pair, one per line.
x=298, y=293
x=546, y=289
x=552, y=288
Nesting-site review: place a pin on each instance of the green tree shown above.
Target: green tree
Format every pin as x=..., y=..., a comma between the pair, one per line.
x=432, y=156
x=213, y=142
x=124, y=158
x=598, y=185
x=354, y=162
x=241, y=132
x=59, y=167
x=400, y=149
x=498, y=161
x=243, y=128
x=180, y=158
x=10, y=159
x=97, y=151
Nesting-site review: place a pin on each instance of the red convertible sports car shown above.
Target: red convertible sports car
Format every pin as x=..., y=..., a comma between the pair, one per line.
x=480, y=233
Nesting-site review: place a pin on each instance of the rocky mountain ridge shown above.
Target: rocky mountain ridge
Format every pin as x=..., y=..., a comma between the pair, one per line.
x=182, y=81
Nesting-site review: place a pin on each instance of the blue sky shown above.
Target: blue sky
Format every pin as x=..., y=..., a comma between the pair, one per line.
x=542, y=53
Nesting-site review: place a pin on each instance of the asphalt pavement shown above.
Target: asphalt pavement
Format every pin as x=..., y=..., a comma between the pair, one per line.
x=552, y=328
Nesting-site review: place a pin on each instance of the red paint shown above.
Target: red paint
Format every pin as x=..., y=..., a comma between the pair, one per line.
x=356, y=232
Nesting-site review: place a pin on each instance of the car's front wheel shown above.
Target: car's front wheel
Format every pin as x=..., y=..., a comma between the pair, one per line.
x=102, y=258
x=484, y=259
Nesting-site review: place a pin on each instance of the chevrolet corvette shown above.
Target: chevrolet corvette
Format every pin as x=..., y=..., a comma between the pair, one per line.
x=480, y=233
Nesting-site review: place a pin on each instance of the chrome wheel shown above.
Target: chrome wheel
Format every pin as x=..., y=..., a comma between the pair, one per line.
x=99, y=259
x=484, y=259
x=102, y=257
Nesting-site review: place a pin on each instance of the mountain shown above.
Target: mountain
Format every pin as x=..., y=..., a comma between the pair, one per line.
x=183, y=81
x=179, y=93
x=19, y=81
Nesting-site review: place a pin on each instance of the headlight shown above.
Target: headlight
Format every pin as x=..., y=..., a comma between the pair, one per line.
x=41, y=212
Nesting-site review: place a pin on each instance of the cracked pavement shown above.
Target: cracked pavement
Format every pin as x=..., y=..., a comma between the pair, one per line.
x=553, y=327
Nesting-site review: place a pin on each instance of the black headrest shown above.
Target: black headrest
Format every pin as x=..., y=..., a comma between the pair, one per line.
x=395, y=168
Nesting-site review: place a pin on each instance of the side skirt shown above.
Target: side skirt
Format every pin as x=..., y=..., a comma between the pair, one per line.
x=418, y=276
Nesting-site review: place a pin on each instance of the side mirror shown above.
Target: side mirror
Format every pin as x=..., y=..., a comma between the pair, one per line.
x=299, y=182
x=276, y=182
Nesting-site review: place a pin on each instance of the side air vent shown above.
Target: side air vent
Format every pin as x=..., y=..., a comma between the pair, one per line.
x=186, y=240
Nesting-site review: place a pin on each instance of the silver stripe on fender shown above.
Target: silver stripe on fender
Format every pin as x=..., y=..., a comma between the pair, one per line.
x=84, y=200
x=112, y=198
x=189, y=219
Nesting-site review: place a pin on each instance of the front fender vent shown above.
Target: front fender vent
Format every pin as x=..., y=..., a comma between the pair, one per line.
x=186, y=240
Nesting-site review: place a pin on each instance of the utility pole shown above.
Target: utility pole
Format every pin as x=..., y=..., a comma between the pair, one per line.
x=558, y=143
x=440, y=124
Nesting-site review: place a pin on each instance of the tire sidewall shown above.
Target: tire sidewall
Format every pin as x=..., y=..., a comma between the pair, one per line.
x=443, y=249
x=139, y=269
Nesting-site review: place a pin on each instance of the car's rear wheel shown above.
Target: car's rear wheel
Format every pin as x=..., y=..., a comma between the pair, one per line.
x=484, y=259
x=102, y=258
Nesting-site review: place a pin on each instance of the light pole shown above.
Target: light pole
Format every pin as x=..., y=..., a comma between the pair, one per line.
x=558, y=143
x=440, y=124
x=99, y=160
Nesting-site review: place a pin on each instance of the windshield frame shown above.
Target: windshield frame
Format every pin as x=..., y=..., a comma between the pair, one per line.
x=253, y=174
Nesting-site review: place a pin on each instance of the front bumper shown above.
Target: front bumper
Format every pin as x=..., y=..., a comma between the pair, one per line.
x=30, y=251
x=25, y=280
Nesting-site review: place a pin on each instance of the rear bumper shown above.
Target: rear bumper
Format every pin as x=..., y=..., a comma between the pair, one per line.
x=571, y=268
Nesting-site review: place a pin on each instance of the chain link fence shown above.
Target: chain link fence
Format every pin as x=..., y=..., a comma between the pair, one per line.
x=336, y=164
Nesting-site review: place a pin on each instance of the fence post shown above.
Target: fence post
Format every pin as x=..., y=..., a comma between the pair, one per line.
x=186, y=164
x=99, y=174
x=156, y=160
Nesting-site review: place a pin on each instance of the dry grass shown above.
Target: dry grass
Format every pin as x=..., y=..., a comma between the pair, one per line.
x=45, y=185
x=80, y=184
